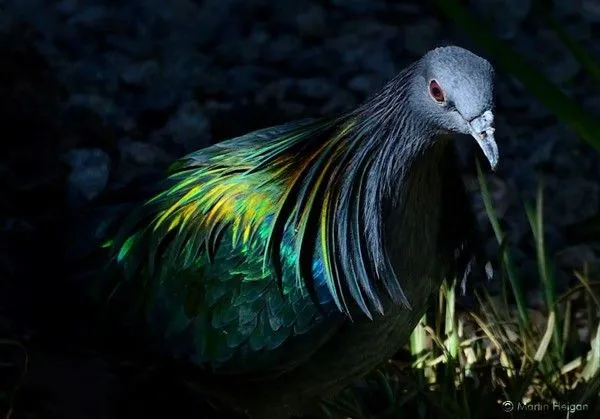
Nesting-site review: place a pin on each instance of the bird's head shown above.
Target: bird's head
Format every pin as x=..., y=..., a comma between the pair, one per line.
x=454, y=90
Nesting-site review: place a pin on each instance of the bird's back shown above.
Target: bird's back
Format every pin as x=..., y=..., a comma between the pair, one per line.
x=195, y=254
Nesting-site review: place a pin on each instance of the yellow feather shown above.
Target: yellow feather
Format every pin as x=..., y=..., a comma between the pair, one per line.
x=176, y=206
x=174, y=222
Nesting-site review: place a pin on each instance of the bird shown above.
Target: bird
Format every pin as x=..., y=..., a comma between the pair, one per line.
x=288, y=262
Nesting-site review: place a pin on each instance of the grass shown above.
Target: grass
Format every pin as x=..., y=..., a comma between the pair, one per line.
x=502, y=360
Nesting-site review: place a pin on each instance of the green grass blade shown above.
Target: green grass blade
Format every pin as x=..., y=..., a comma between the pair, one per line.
x=450, y=327
x=546, y=272
x=592, y=367
x=418, y=340
x=566, y=328
x=543, y=348
x=508, y=263
x=585, y=230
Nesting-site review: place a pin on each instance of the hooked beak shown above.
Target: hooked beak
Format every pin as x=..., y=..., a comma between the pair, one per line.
x=482, y=129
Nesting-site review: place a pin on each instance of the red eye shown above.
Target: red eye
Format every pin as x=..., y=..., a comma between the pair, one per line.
x=436, y=91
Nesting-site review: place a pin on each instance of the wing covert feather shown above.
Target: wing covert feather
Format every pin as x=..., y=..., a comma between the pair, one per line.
x=225, y=311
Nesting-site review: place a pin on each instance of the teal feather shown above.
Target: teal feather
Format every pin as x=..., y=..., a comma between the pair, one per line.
x=248, y=313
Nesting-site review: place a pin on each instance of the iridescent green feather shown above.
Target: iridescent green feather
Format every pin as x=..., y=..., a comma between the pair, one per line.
x=233, y=257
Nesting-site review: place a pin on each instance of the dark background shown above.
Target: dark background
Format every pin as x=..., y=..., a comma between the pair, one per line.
x=96, y=93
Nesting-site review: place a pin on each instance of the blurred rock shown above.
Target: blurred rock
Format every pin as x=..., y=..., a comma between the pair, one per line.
x=141, y=153
x=535, y=299
x=141, y=73
x=189, y=127
x=420, y=36
x=313, y=21
x=89, y=16
x=89, y=173
x=565, y=9
x=507, y=23
x=558, y=62
x=360, y=6
x=575, y=258
x=281, y=48
x=544, y=153
x=341, y=101
x=315, y=88
x=364, y=46
x=362, y=84
x=579, y=198
x=103, y=106
x=276, y=90
x=68, y=7
x=590, y=10
x=245, y=80
x=503, y=196
x=6, y=22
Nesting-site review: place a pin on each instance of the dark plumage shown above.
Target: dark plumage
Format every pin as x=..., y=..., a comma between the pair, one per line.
x=290, y=261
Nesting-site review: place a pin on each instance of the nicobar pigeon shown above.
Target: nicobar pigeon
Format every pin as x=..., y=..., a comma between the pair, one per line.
x=290, y=261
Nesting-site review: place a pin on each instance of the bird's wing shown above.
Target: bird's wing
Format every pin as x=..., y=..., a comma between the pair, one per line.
x=239, y=151
x=196, y=252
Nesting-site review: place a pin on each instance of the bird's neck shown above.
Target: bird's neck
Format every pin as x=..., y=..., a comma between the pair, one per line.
x=401, y=150
x=403, y=183
x=400, y=141
x=395, y=160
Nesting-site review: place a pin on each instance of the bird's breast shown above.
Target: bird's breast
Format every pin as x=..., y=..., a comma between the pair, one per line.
x=412, y=231
x=413, y=225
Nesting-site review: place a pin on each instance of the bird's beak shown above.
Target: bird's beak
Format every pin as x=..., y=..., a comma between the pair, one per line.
x=482, y=129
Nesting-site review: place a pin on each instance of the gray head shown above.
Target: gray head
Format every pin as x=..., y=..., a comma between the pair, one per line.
x=453, y=90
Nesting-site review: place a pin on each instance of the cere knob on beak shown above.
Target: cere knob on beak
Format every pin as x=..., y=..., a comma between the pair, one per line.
x=482, y=129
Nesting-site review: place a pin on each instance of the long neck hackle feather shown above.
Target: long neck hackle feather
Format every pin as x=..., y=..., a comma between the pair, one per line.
x=350, y=183
x=341, y=178
x=385, y=142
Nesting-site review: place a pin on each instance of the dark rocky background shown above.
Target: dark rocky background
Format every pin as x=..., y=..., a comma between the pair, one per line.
x=96, y=93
